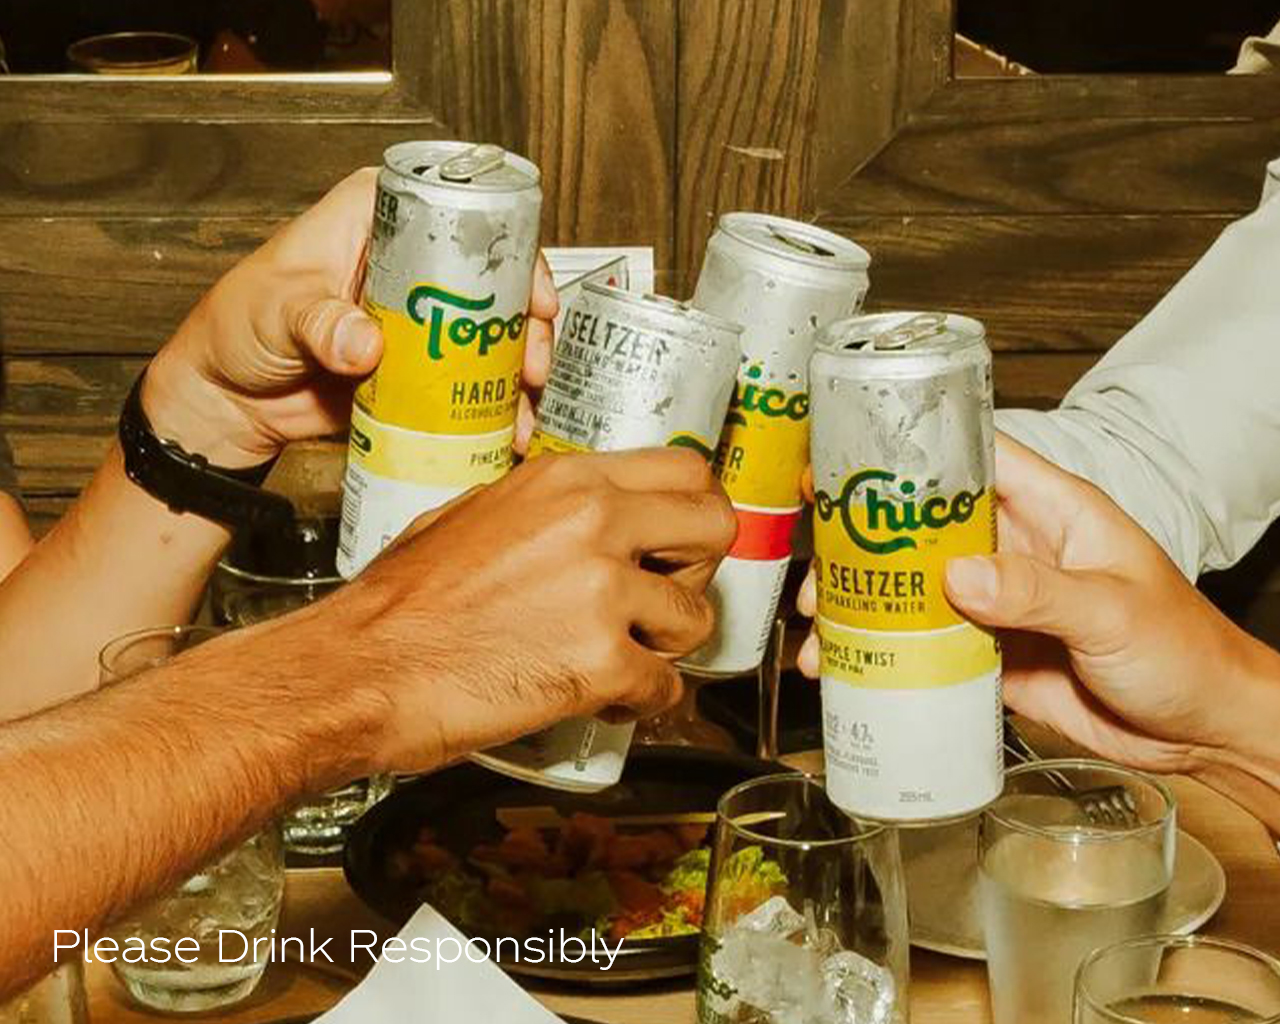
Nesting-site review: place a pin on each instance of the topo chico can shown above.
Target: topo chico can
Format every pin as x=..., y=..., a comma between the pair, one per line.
x=903, y=478
x=629, y=371
x=451, y=259
x=780, y=279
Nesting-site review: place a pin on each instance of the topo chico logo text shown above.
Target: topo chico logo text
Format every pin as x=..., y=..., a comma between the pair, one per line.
x=772, y=402
x=429, y=305
x=891, y=520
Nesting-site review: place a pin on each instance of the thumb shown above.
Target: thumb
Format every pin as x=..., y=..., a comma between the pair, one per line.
x=1017, y=592
x=340, y=336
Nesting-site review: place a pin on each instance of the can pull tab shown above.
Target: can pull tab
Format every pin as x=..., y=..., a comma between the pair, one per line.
x=473, y=162
x=906, y=334
x=799, y=244
x=664, y=301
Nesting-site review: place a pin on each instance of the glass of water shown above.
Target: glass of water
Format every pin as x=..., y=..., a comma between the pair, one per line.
x=1178, y=978
x=1074, y=855
x=230, y=903
x=57, y=998
x=806, y=919
x=241, y=596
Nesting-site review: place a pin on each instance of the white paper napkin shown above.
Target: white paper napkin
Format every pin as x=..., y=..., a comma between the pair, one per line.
x=437, y=992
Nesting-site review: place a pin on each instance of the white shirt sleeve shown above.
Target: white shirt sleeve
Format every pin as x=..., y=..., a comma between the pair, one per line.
x=1259, y=55
x=1180, y=422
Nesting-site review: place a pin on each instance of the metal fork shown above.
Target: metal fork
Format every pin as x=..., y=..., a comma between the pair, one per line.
x=1113, y=806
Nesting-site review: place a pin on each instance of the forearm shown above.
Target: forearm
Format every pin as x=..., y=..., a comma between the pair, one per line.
x=15, y=535
x=123, y=793
x=1242, y=759
x=119, y=560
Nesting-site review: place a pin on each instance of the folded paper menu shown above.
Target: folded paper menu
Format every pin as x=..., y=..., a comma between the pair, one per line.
x=444, y=987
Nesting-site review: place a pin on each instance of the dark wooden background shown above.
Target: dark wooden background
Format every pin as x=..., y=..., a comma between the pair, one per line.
x=1057, y=210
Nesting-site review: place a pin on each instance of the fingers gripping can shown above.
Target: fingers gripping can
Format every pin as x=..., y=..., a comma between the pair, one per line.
x=780, y=279
x=451, y=259
x=629, y=371
x=903, y=474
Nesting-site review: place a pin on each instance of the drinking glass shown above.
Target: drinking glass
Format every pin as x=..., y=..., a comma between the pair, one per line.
x=1178, y=978
x=57, y=998
x=1073, y=855
x=806, y=919
x=684, y=725
x=241, y=597
x=240, y=891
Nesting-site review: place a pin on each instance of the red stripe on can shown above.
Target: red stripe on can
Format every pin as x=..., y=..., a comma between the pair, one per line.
x=764, y=536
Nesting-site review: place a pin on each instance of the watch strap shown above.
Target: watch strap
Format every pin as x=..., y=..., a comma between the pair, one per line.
x=186, y=482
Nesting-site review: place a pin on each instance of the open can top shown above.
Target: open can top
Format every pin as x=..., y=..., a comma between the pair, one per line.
x=795, y=240
x=662, y=306
x=885, y=335
x=468, y=166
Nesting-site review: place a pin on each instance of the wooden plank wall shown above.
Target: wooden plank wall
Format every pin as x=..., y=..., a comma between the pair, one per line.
x=1056, y=210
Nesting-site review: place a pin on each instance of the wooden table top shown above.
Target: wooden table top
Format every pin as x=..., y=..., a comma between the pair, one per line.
x=944, y=990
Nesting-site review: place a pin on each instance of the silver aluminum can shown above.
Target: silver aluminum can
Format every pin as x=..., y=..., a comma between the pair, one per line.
x=451, y=260
x=629, y=371
x=781, y=279
x=636, y=371
x=903, y=467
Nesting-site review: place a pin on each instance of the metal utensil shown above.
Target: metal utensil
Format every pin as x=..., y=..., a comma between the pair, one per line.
x=769, y=689
x=1113, y=806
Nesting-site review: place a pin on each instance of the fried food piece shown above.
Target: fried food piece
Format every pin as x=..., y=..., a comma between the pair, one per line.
x=584, y=841
x=652, y=849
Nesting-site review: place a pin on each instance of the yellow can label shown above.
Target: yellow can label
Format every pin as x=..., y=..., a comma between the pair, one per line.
x=765, y=444
x=542, y=442
x=893, y=661
x=446, y=461
x=882, y=548
x=449, y=364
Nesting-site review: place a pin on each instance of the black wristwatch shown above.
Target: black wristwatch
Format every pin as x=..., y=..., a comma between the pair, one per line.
x=187, y=483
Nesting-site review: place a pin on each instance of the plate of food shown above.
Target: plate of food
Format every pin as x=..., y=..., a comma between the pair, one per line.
x=503, y=859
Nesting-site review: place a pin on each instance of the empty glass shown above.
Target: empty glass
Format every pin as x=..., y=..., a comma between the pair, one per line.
x=1073, y=855
x=57, y=998
x=1174, y=978
x=241, y=598
x=232, y=901
x=806, y=919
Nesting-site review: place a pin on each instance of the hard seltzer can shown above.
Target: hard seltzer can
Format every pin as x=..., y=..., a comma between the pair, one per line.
x=904, y=481
x=629, y=371
x=451, y=259
x=781, y=280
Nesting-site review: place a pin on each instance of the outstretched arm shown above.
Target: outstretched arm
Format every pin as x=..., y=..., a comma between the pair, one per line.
x=444, y=645
x=1105, y=641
